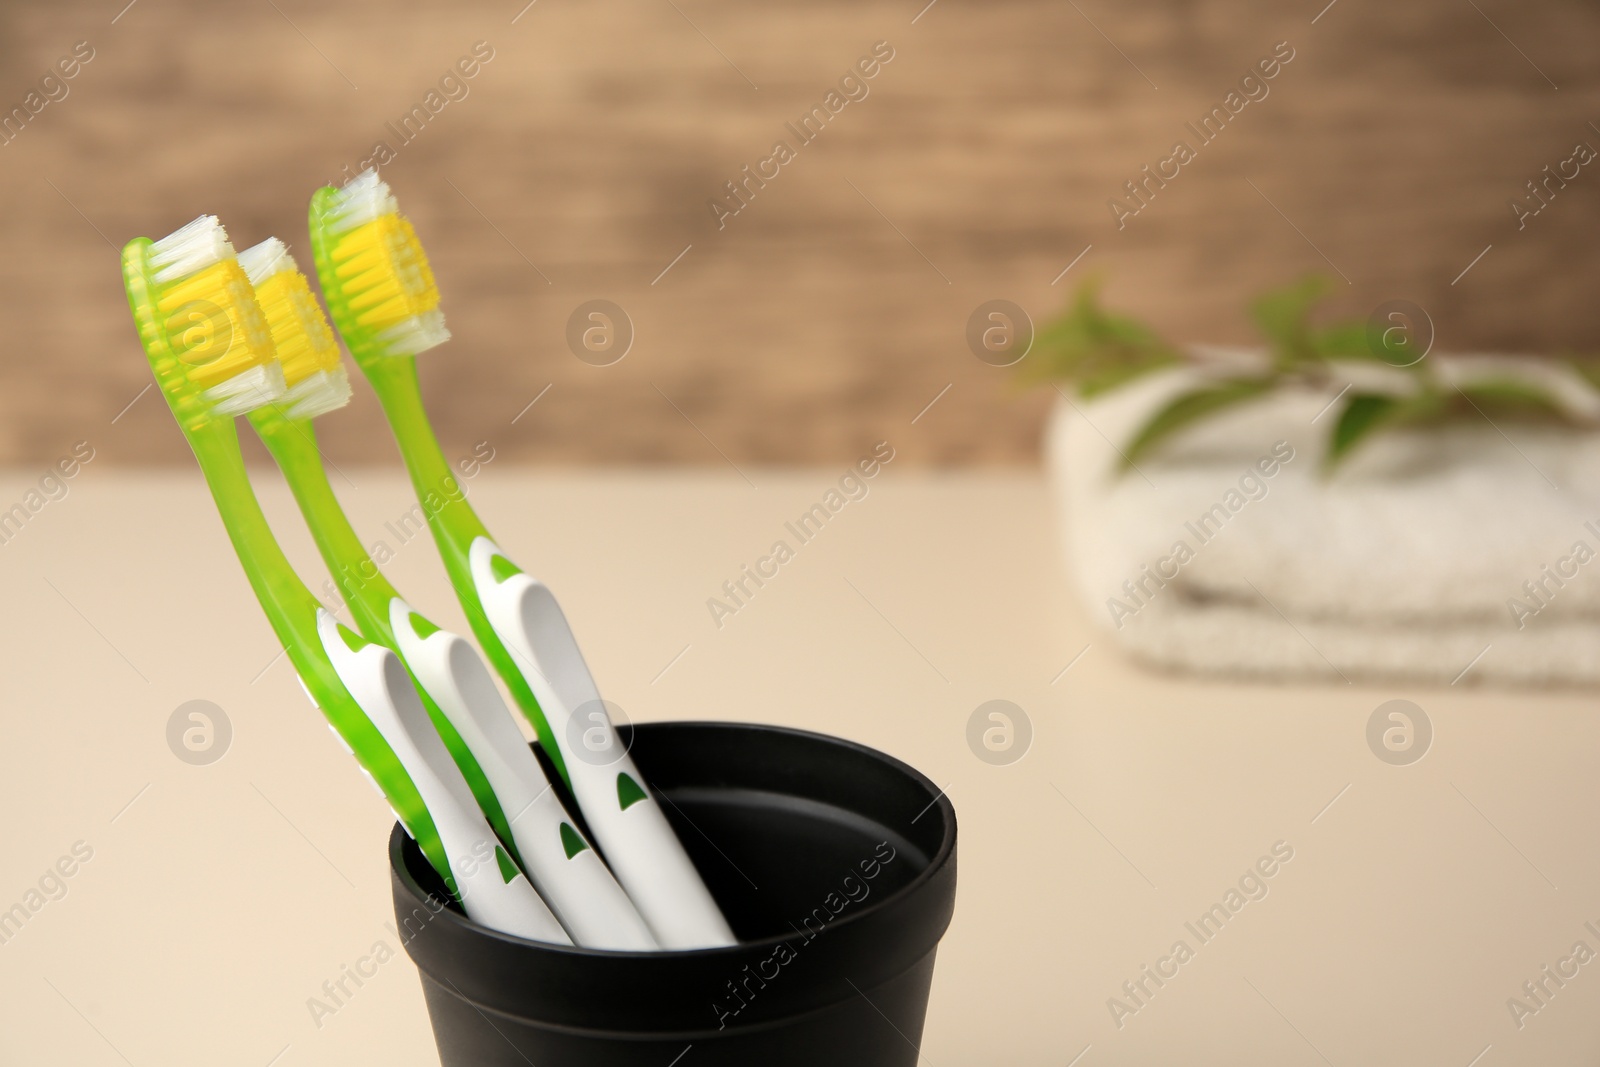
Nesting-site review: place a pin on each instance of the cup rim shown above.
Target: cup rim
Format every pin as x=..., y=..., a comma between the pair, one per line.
x=937, y=860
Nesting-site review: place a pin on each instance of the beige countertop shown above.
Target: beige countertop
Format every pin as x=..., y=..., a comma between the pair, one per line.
x=216, y=900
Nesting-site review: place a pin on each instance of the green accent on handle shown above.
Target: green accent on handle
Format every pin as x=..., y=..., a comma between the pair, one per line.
x=572, y=841
x=508, y=870
x=629, y=792
x=501, y=569
x=293, y=444
x=352, y=640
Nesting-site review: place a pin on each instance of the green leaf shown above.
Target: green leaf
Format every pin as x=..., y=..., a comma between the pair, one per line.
x=1093, y=349
x=1588, y=366
x=1513, y=399
x=1284, y=317
x=1188, y=408
x=1345, y=340
x=1364, y=414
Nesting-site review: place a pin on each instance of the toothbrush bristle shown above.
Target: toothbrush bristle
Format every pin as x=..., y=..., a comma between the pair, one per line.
x=375, y=273
x=363, y=198
x=244, y=392
x=206, y=337
x=190, y=248
x=417, y=334
x=300, y=334
x=261, y=261
x=318, y=394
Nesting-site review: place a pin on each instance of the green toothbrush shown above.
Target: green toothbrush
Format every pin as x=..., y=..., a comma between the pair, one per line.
x=212, y=355
x=383, y=300
x=451, y=679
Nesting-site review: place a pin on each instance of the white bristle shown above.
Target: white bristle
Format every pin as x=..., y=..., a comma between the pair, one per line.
x=363, y=198
x=415, y=335
x=190, y=248
x=262, y=261
x=322, y=392
x=248, y=390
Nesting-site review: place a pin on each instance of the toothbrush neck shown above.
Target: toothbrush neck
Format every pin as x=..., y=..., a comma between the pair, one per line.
x=292, y=609
x=440, y=493
x=288, y=604
x=293, y=445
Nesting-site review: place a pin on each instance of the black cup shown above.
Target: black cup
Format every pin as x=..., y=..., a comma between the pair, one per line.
x=834, y=864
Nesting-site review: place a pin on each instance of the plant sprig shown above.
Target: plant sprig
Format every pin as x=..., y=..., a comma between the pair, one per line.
x=1096, y=351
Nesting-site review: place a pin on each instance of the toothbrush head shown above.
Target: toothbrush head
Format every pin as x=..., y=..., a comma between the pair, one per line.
x=374, y=273
x=316, y=380
x=204, y=334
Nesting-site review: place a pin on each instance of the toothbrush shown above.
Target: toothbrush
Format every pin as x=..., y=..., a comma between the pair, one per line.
x=384, y=303
x=212, y=355
x=455, y=686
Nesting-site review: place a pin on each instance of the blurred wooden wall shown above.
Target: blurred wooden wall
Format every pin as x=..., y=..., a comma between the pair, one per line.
x=833, y=308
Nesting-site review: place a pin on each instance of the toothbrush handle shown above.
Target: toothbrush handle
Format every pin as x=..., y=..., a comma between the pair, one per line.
x=484, y=878
x=644, y=852
x=489, y=885
x=567, y=872
x=293, y=445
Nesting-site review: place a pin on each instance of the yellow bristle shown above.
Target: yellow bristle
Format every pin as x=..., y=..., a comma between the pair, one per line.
x=384, y=272
x=300, y=333
x=213, y=324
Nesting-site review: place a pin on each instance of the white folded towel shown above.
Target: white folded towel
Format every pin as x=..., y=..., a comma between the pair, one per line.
x=1409, y=562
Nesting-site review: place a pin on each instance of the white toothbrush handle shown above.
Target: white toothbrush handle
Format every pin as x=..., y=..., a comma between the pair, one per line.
x=644, y=853
x=578, y=887
x=378, y=682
